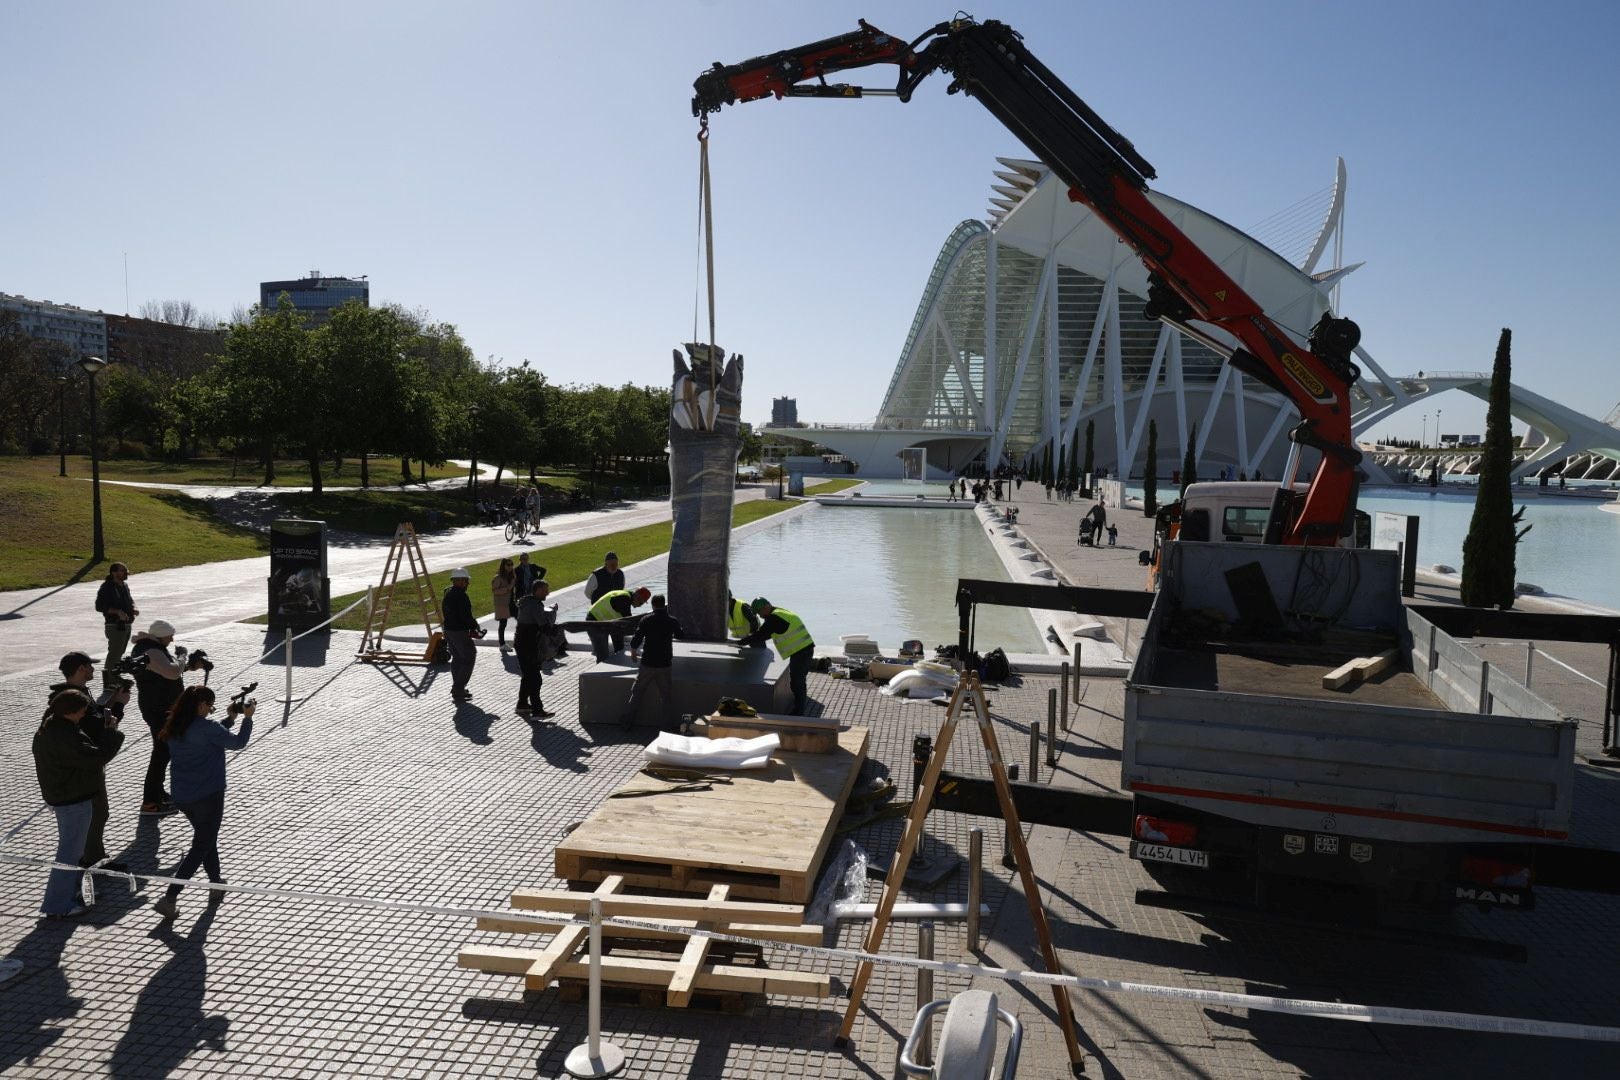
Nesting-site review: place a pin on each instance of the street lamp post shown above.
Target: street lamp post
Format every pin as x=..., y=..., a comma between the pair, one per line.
x=61, y=423
x=472, y=481
x=91, y=365
x=1423, y=439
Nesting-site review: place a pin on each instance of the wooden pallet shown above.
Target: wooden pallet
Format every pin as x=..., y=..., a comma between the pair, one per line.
x=763, y=833
x=702, y=969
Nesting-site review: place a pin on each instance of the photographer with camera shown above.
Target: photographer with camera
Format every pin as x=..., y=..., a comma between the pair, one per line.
x=77, y=671
x=158, y=686
x=69, y=761
x=197, y=746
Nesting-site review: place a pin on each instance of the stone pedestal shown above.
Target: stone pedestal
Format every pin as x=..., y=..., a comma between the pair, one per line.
x=703, y=673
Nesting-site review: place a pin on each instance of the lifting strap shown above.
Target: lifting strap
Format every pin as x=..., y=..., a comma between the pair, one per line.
x=706, y=228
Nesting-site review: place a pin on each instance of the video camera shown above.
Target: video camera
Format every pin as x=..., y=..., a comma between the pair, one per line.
x=129, y=665
x=195, y=660
x=240, y=701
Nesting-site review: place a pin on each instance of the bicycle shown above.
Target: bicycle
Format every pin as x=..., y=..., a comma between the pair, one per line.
x=517, y=528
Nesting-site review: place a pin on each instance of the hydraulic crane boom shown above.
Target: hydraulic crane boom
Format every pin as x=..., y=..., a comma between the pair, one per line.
x=988, y=61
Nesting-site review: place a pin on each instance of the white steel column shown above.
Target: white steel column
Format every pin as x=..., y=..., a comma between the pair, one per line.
x=1114, y=376
x=1178, y=386
x=1145, y=403
x=1049, y=366
x=991, y=383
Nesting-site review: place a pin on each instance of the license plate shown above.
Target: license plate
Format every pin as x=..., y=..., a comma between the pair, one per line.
x=1180, y=856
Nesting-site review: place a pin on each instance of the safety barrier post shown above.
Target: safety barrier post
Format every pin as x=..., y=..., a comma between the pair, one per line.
x=594, y=1057
x=287, y=697
x=1051, y=728
x=1529, y=661
x=1035, y=751
x=1065, y=694
x=975, y=886
x=925, y=991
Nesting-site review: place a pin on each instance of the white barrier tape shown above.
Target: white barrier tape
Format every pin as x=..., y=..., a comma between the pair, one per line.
x=282, y=643
x=1324, y=1010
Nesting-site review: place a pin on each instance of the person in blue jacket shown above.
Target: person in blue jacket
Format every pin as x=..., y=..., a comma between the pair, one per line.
x=197, y=745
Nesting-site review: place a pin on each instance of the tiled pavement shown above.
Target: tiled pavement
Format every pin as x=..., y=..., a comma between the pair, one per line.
x=376, y=786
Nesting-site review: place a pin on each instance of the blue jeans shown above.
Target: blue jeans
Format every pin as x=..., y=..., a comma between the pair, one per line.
x=205, y=815
x=72, y=826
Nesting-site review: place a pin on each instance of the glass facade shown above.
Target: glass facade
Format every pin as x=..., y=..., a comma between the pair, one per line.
x=315, y=296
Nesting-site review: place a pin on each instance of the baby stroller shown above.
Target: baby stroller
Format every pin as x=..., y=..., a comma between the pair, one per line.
x=1088, y=532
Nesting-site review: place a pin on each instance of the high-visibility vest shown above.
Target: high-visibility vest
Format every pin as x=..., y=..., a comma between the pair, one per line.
x=602, y=610
x=795, y=638
x=737, y=623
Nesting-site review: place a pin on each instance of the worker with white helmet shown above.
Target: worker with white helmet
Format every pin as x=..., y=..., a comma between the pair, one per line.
x=460, y=630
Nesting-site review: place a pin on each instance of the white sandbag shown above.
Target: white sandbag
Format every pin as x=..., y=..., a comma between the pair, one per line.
x=687, y=752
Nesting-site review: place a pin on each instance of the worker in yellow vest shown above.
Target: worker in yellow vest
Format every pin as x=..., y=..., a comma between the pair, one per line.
x=793, y=644
x=740, y=618
x=609, y=607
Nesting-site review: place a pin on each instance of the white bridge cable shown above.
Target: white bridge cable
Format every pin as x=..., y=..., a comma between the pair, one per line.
x=1327, y=1010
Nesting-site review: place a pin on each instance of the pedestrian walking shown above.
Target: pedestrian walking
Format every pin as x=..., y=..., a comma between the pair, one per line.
x=534, y=620
x=68, y=762
x=501, y=587
x=527, y=574
x=118, y=613
x=653, y=642
x=460, y=630
x=197, y=745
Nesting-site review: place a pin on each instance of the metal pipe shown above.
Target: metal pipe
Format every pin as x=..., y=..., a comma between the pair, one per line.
x=925, y=991
x=1035, y=748
x=1051, y=728
x=1529, y=661
x=1008, y=859
x=975, y=886
x=1064, y=673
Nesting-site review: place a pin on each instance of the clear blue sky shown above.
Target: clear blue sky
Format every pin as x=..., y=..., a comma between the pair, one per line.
x=527, y=171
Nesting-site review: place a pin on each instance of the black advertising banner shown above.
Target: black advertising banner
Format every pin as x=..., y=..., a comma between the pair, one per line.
x=299, y=593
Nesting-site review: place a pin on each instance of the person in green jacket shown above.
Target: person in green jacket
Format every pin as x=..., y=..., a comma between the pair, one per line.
x=68, y=761
x=610, y=607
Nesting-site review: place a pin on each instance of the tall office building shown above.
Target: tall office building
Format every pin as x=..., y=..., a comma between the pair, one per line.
x=784, y=412
x=315, y=294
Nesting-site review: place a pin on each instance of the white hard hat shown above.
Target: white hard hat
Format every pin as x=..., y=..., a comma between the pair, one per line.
x=460, y=572
x=159, y=628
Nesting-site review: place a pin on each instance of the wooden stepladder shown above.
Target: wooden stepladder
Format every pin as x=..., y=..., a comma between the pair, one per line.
x=419, y=591
x=969, y=695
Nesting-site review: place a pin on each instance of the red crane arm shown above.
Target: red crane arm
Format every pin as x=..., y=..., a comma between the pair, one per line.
x=988, y=61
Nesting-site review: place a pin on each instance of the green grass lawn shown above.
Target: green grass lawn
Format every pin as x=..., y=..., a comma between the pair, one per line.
x=566, y=564
x=384, y=471
x=45, y=531
x=827, y=487
x=379, y=511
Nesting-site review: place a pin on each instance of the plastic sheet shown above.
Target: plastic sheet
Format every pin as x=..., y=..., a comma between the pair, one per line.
x=842, y=883
x=693, y=753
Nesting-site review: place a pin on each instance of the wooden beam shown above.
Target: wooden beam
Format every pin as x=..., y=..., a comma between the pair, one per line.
x=1364, y=667
x=696, y=953
x=661, y=907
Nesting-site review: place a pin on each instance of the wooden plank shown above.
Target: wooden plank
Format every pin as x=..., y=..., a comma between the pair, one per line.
x=659, y=907
x=1363, y=667
x=805, y=934
x=693, y=957
x=497, y=959
x=794, y=738
x=1340, y=675
x=568, y=939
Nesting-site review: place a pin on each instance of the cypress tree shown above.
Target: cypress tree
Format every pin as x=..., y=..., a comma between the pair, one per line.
x=1046, y=466
x=1189, y=464
x=1150, y=472
x=1063, y=466
x=1488, y=552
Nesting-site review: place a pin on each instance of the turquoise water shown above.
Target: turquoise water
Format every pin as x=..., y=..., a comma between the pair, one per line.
x=886, y=572
x=1573, y=549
